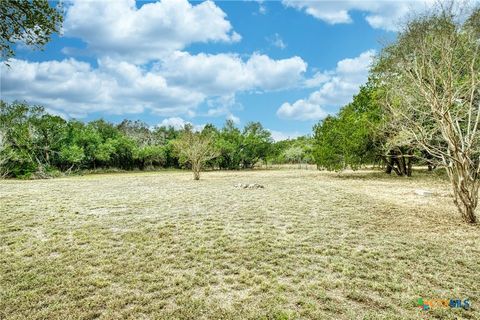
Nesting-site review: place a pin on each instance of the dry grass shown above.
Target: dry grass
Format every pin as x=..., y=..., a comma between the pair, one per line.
x=311, y=245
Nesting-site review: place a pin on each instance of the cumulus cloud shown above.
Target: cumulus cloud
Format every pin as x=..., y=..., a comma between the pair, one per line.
x=221, y=74
x=223, y=106
x=141, y=65
x=176, y=86
x=120, y=29
x=76, y=89
x=379, y=14
x=279, y=135
x=317, y=79
x=336, y=89
x=303, y=109
x=179, y=123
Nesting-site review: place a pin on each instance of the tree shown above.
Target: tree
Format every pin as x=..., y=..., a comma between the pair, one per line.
x=256, y=144
x=5, y=154
x=354, y=137
x=20, y=154
x=139, y=132
x=165, y=136
x=328, y=151
x=150, y=155
x=30, y=22
x=287, y=151
x=48, y=133
x=229, y=143
x=73, y=155
x=195, y=149
x=431, y=77
x=294, y=154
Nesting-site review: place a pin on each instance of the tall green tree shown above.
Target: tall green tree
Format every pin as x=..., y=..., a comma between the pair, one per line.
x=352, y=138
x=256, y=144
x=48, y=133
x=21, y=154
x=31, y=22
x=431, y=76
x=229, y=143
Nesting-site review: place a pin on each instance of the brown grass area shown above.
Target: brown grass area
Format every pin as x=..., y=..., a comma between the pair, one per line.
x=311, y=245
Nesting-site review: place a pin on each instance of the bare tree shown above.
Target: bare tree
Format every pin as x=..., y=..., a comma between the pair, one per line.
x=431, y=79
x=195, y=148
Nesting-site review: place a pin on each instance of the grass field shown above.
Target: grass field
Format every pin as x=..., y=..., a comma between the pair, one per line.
x=311, y=245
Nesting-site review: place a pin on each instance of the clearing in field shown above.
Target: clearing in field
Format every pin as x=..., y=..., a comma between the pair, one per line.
x=162, y=246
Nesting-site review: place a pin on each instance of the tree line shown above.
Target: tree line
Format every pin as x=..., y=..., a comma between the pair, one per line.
x=34, y=143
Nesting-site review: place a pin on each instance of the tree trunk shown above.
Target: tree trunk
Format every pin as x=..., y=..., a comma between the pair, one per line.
x=196, y=170
x=196, y=175
x=409, y=163
x=402, y=167
x=390, y=162
x=465, y=190
x=397, y=161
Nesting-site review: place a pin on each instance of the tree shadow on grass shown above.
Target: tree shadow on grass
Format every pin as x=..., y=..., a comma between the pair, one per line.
x=379, y=174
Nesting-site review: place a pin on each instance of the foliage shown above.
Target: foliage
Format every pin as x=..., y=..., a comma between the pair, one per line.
x=72, y=154
x=19, y=152
x=195, y=149
x=229, y=143
x=5, y=154
x=431, y=76
x=294, y=154
x=256, y=144
x=353, y=137
x=29, y=22
x=295, y=151
x=34, y=143
x=151, y=156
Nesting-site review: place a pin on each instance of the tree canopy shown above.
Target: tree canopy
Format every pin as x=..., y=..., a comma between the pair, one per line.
x=29, y=22
x=353, y=137
x=431, y=80
x=34, y=143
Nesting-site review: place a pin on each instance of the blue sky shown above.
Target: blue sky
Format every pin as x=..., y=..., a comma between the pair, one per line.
x=286, y=64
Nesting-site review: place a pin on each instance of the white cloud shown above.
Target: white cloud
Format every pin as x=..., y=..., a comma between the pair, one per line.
x=223, y=106
x=120, y=29
x=384, y=14
x=233, y=118
x=223, y=74
x=336, y=89
x=269, y=74
x=277, y=41
x=176, y=122
x=179, y=123
x=76, y=89
x=301, y=110
x=174, y=87
x=317, y=79
x=262, y=9
x=279, y=136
